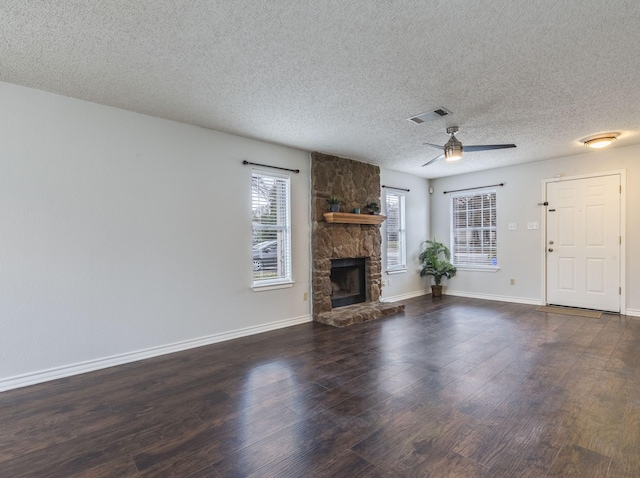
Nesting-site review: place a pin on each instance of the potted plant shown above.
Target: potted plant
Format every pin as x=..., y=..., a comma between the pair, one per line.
x=334, y=203
x=373, y=207
x=435, y=260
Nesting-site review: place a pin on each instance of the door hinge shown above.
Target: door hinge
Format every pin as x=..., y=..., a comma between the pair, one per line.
x=620, y=237
x=621, y=189
x=619, y=290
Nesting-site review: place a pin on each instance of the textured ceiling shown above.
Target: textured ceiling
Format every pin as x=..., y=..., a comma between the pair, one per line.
x=342, y=77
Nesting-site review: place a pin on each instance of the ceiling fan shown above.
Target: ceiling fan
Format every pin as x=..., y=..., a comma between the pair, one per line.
x=453, y=148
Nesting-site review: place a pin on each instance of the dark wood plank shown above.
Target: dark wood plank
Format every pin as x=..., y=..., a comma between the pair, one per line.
x=317, y=464
x=574, y=460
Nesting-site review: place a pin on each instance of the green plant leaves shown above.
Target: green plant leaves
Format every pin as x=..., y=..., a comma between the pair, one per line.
x=433, y=265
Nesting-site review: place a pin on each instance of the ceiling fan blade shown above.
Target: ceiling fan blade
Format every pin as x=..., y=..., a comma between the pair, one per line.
x=487, y=147
x=434, y=145
x=433, y=160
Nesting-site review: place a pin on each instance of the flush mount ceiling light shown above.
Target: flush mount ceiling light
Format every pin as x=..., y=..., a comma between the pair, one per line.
x=601, y=141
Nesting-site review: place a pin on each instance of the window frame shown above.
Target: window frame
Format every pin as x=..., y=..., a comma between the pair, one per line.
x=284, y=279
x=401, y=231
x=491, y=264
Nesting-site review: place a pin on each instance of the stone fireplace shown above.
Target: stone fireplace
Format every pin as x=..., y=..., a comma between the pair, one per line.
x=357, y=184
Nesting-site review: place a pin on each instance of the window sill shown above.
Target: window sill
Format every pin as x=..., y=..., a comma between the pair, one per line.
x=272, y=286
x=478, y=269
x=396, y=271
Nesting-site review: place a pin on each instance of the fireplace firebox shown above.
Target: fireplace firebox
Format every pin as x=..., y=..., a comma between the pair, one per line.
x=347, y=282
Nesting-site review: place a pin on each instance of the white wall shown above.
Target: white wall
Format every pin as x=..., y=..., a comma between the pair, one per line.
x=407, y=284
x=124, y=235
x=520, y=253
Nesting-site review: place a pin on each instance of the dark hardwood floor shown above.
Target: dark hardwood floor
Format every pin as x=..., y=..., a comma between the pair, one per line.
x=451, y=388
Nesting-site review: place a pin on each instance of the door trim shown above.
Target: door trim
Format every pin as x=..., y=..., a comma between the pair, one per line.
x=623, y=230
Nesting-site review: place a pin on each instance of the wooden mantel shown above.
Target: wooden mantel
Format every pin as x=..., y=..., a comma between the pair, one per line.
x=349, y=218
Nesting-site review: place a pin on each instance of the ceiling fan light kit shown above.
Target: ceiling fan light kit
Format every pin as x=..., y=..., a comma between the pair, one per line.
x=453, y=148
x=602, y=140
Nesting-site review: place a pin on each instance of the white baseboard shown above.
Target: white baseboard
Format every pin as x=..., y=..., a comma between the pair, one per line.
x=410, y=295
x=457, y=293
x=632, y=313
x=98, y=364
x=500, y=298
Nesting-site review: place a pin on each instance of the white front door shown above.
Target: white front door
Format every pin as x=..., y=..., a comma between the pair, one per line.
x=583, y=243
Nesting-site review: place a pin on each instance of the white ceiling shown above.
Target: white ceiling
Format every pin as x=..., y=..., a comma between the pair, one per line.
x=342, y=77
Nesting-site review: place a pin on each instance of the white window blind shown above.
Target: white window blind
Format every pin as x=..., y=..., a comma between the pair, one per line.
x=396, y=234
x=270, y=204
x=473, y=225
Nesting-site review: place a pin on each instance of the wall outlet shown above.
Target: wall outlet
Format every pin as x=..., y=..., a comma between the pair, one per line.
x=305, y=296
x=512, y=281
x=513, y=226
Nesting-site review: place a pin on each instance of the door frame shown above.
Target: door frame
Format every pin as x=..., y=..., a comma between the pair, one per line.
x=623, y=229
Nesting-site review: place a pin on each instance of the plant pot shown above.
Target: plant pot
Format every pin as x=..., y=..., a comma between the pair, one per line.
x=436, y=291
x=334, y=207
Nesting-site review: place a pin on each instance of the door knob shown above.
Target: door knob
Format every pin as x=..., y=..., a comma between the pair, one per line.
x=551, y=249
x=550, y=242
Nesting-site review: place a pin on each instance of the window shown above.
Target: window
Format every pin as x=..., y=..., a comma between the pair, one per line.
x=270, y=204
x=396, y=234
x=473, y=225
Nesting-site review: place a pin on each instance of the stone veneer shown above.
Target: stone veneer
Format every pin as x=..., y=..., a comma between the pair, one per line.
x=357, y=184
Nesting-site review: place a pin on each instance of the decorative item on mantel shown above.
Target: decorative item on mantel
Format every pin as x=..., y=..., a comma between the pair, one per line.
x=334, y=203
x=373, y=207
x=432, y=265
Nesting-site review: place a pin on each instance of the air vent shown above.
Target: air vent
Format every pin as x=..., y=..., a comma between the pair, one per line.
x=429, y=115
